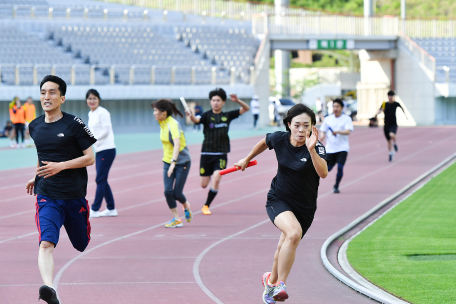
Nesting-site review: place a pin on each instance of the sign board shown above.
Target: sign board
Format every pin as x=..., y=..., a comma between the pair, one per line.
x=331, y=44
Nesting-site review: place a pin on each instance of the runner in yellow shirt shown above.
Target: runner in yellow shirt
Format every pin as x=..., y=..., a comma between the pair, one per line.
x=176, y=159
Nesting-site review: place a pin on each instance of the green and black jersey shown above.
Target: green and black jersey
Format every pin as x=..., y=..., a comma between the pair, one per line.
x=216, y=140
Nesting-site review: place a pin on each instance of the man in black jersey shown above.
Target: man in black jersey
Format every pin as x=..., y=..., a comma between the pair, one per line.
x=216, y=144
x=390, y=129
x=63, y=144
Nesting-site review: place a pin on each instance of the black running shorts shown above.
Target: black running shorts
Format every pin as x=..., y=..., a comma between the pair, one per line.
x=211, y=163
x=336, y=158
x=387, y=129
x=305, y=219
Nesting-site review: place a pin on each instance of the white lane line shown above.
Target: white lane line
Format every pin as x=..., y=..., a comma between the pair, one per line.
x=15, y=214
x=18, y=237
x=97, y=283
x=161, y=199
x=198, y=260
x=68, y=264
x=117, y=283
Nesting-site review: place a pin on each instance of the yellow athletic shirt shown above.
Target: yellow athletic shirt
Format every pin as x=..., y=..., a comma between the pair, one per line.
x=170, y=129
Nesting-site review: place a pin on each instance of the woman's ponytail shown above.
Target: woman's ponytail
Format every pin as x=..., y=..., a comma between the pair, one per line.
x=168, y=106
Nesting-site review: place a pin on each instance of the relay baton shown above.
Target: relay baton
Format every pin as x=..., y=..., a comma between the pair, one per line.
x=234, y=169
x=184, y=103
x=331, y=130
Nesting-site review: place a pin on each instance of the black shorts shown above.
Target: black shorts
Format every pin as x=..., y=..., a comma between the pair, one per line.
x=387, y=129
x=211, y=163
x=305, y=219
x=336, y=158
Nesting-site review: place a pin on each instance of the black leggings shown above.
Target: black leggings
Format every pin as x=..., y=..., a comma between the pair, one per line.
x=19, y=130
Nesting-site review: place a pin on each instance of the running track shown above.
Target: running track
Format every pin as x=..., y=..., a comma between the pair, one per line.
x=218, y=258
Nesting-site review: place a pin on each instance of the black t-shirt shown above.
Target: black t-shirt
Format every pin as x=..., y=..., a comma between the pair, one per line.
x=390, y=112
x=297, y=181
x=216, y=127
x=61, y=141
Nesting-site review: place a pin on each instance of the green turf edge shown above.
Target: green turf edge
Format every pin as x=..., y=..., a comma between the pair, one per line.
x=424, y=223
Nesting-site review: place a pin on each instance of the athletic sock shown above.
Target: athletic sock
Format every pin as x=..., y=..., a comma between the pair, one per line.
x=210, y=196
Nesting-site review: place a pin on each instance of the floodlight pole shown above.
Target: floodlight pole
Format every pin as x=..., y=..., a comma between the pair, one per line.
x=281, y=57
x=403, y=9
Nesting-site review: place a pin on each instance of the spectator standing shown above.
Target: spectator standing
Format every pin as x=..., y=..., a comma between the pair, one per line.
x=7, y=130
x=101, y=127
x=17, y=115
x=255, y=108
x=30, y=114
x=198, y=112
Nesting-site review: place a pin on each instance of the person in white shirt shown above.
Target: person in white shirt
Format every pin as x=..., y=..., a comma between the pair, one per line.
x=337, y=127
x=255, y=108
x=101, y=127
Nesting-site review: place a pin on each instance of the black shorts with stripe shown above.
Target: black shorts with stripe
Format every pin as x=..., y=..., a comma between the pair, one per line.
x=211, y=163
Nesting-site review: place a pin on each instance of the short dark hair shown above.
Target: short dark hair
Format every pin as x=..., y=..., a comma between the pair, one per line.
x=391, y=93
x=218, y=92
x=339, y=101
x=296, y=110
x=55, y=79
x=94, y=93
x=168, y=106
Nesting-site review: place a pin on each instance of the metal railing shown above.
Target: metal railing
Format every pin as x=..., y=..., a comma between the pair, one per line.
x=88, y=75
x=284, y=20
x=445, y=74
x=418, y=52
x=241, y=10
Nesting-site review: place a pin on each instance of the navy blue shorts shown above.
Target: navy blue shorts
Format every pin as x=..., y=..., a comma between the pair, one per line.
x=52, y=214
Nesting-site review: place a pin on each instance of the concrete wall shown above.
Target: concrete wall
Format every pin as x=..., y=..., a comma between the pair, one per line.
x=415, y=88
x=375, y=68
x=320, y=91
x=445, y=110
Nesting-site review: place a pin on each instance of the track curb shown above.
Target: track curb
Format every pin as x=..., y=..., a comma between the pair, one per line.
x=373, y=293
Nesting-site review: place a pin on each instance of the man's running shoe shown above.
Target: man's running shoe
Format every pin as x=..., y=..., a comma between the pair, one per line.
x=188, y=213
x=391, y=157
x=336, y=189
x=280, y=292
x=48, y=295
x=174, y=223
x=268, y=290
x=395, y=147
x=206, y=210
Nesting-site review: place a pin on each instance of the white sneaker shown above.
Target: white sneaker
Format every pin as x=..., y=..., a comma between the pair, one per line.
x=108, y=212
x=94, y=214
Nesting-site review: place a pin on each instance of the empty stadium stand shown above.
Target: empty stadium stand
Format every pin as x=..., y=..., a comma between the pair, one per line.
x=444, y=52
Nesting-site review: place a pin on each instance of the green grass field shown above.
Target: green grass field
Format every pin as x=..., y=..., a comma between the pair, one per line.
x=411, y=251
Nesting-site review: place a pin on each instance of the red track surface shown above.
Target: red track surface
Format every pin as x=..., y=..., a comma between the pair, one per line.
x=134, y=259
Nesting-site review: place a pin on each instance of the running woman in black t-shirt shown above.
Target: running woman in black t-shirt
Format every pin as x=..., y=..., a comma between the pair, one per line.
x=63, y=144
x=390, y=128
x=292, y=198
x=216, y=144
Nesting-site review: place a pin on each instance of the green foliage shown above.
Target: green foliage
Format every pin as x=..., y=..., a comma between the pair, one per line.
x=423, y=224
x=415, y=8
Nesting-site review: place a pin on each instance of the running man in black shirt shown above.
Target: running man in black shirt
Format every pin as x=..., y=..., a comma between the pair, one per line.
x=390, y=128
x=292, y=198
x=216, y=144
x=63, y=144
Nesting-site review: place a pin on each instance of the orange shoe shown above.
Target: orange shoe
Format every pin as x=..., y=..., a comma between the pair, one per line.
x=206, y=210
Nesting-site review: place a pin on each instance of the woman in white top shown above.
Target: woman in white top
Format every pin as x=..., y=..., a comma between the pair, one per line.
x=101, y=127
